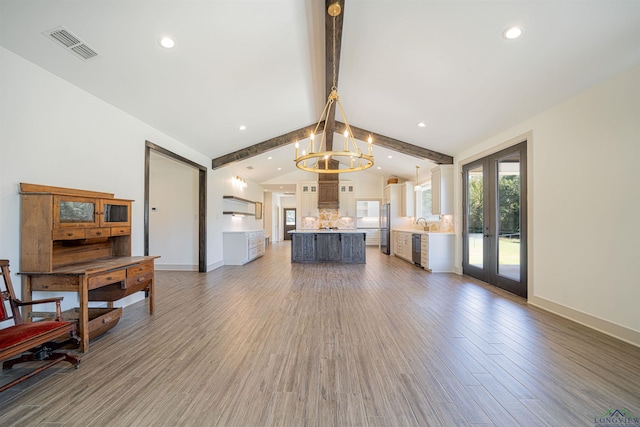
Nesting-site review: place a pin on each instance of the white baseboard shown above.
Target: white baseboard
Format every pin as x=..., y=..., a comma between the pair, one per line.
x=215, y=265
x=613, y=329
x=176, y=267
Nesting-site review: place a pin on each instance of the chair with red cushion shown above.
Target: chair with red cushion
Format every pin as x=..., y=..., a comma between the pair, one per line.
x=30, y=340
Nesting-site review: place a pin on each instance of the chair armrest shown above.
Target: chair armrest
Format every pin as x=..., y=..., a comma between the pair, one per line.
x=39, y=301
x=42, y=301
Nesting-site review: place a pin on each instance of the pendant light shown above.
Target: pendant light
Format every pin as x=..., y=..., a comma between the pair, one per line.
x=316, y=158
x=417, y=187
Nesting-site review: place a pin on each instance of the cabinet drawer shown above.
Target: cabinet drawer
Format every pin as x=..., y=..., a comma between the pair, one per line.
x=107, y=278
x=253, y=253
x=120, y=231
x=55, y=283
x=97, y=232
x=139, y=269
x=68, y=233
x=139, y=276
x=139, y=281
x=100, y=319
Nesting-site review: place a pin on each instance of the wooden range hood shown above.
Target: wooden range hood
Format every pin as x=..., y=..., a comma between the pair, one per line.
x=328, y=185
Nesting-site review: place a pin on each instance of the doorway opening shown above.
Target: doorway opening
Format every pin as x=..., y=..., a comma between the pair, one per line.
x=289, y=222
x=202, y=200
x=495, y=219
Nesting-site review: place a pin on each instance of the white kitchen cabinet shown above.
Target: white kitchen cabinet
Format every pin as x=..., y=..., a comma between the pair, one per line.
x=401, y=198
x=309, y=199
x=347, y=199
x=442, y=190
x=240, y=247
x=393, y=196
x=409, y=202
x=402, y=245
x=367, y=208
x=436, y=252
x=373, y=236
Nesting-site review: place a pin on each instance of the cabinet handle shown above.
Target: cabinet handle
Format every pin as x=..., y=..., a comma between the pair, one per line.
x=99, y=233
x=69, y=234
x=140, y=279
x=109, y=277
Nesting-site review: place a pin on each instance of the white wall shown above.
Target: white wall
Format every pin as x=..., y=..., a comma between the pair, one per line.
x=173, y=213
x=368, y=185
x=583, y=204
x=53, y=133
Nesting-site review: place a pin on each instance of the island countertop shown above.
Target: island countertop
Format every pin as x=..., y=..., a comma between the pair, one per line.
x=322, y=245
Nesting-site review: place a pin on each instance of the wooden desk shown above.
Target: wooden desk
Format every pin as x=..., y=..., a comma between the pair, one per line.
x=107, y=279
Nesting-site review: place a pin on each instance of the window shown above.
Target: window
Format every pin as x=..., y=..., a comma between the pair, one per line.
x=290, y=217
x=423, y=203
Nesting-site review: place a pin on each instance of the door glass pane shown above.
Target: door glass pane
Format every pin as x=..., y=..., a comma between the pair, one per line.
x=509, y=217
x=116, y=213
x=76, y=211
x=475, y=213
x=290, y=217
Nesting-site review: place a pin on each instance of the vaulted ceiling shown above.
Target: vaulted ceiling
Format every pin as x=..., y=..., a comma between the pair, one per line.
x=260, y=64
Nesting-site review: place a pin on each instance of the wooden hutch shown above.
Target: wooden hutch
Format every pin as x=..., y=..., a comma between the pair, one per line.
x=80, y=241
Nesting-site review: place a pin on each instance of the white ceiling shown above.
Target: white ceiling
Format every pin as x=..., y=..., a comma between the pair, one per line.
x=261, y=64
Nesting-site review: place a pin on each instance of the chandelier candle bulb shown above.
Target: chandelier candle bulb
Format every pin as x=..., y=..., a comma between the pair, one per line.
x=297, y=146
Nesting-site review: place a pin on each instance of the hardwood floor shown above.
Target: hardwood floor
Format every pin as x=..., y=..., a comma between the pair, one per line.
x=382, y=344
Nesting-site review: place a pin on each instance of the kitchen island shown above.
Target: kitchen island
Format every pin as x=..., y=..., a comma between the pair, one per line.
x=323, y=246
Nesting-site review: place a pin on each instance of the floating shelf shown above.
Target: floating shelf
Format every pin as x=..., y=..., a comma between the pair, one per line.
x=238, y=213
x=237, y=199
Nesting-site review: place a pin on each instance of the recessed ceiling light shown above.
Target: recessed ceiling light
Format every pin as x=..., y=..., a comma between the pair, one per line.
x=421, y=124
x=379, y=168
x=511, y=33
x=242, y=127
x=167, y=42
x=279, y=169
x=389, y=156
x=269, y=158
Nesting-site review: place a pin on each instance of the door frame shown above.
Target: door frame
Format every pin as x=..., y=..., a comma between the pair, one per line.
x=489, y=272
x=202, y=200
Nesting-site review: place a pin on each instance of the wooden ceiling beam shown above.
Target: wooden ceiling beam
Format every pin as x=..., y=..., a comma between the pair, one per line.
x=261, y=147
x=400, y=146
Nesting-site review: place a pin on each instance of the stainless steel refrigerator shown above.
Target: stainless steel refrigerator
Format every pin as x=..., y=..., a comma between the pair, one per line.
x=385, y=228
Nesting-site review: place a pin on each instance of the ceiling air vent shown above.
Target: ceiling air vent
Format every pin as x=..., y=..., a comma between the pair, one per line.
x=71, y=43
